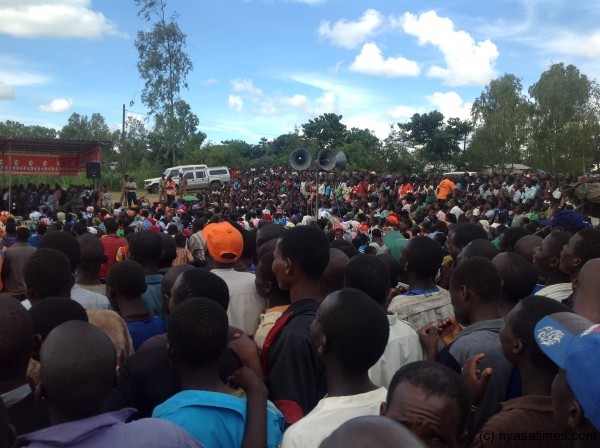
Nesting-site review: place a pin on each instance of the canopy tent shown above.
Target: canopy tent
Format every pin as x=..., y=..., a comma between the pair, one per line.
x=47, y=157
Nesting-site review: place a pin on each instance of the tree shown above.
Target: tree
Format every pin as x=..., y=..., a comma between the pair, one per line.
x=326, y=130
x=15, y=129
x=565, y=123
x=80, y=127
x=500, y=116
x=461, y=129
x=164, y=65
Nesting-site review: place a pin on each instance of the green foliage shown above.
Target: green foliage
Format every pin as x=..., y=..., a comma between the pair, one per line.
x=326, y=130
x=14, y=129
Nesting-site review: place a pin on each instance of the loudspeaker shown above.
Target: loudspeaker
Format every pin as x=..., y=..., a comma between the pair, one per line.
x=327, y=160
x=300, y=159
x=92, y=170
x=340, y=161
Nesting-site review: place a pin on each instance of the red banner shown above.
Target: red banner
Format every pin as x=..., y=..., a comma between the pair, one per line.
x=40, y=164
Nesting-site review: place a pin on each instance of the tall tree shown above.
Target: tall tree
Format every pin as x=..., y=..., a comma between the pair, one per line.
x=163, y=64
x=500, y=116
x=327, y=130
x=566, y=116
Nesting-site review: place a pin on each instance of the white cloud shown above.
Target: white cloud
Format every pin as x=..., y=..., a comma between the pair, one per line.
x=57, y=105
x=369, y=121
x=236, y=103
x=246, y=87
x=348, y=34
x=308, y=2
x=467, y=62
x=451, y=105
x=571, y=44
x=210, y=81
x=370, y=61
x=54, y=18
x=6, y=93
x=402, y=113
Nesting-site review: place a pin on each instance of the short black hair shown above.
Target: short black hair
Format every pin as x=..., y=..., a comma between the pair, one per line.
x=358, y=330
x=63, y=242
x=16, y=331
x=345, y=246
x=370, y=275
x=518, y=275
x=264, y=268
x=22, y=234
x=53, y=311
x=127, y=279
x=464, y=233
x=169, y=250
x=532, y=309
x=111, y=225
x=180, y=240
x=557, y=240
x=511, y=236
x=424, y=256
x=268, y=232
x=589, y=246
x=480, y=275
x=308, y=247
x=393, y=266
x=434, y=378
x=41, y=228
x=47, y=271
x=197, y=331
x=480, y=248
x=146, y=247
x=199, y=282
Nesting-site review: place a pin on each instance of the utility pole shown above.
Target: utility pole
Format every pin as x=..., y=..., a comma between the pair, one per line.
x=123, y=144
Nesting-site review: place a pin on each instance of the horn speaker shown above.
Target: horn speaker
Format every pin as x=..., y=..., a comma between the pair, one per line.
x=300, y=159
x=327, y=160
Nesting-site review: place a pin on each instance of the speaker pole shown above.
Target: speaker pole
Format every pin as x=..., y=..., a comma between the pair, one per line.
x=317, y=196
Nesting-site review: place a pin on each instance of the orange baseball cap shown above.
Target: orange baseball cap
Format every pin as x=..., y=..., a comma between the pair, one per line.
x=224, y=243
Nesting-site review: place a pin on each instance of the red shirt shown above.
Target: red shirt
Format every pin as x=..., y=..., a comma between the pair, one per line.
x=111, y=245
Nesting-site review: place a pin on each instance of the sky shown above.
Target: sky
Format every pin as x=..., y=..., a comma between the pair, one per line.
x=264, y=67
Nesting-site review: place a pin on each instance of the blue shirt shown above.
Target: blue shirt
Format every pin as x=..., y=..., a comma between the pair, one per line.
x=152, y=299
x=142, y=330
x=34, y=240
x=216, y=420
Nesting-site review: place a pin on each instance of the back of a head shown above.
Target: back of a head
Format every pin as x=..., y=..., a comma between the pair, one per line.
x=308, y=247
x=111, y=225
x=478, y=248
x=268, y=232
x=63, y=242
x=510, y=237
x=78, y=369
x=345, y=246
x=145, y=247
x=22, y=234
x=523, y=320
x=371, y=431
x=393, y=265
x=200, y=282
x=169, y=251
x=589, y=244
x=48, y=273
x=358, y=328
x=526, y=245
x=480, y=276
x=423, y=256
x=197, y=332
x=518, y=275
x=170, y=276
x=127, y=279
x=464, y=233
x=332, y=278
x=53, y=311
x=92, y=250
x=16, y=334
x=555, y=242
x=370, y=275
x=434, y=379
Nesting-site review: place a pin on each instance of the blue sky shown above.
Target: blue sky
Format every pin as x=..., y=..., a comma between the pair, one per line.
x=262, y=67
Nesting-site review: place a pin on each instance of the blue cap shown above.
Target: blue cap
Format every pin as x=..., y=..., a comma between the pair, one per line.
x=573, y=343
x=570, y=220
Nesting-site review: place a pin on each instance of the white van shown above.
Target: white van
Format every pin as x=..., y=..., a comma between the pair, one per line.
x=460, y=173
x=198, y=176
x=151, y=185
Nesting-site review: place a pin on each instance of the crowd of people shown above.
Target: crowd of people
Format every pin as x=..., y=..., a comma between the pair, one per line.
x=301, y=309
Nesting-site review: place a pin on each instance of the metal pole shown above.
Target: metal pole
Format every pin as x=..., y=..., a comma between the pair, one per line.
x=123, y=144
x=317, y=196
x=9, y=174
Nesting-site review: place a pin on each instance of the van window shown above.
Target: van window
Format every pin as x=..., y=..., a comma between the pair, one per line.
x=174, y=173
x=189, y=175
x=218, y=172
x=200, y=174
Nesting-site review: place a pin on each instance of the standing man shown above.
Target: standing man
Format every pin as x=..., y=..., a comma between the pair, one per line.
x=12, y=268
x=171, y=190
x=123, y=188
x=131, y=186
x=182, y=185
x=445, y=189
x=162, y=189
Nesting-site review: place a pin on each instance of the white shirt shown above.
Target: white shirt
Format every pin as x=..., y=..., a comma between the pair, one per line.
x=329, y=414
x=245, y=305
x=403, y=347
x=88, y=299
x=423, y=309
x=558, y=291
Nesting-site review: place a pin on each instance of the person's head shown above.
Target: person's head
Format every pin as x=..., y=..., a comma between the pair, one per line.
x=268, y=232
x=474, y=284
x=91, y=252
x=510, y=237
x=78, y=366
x=421, y=257
x=478, y=248
x=573, y=343
x=111, y=226
x=566, y=221
x=370, y=275
x=197, y=333
x=526, y=245
x=546, y=256
x=125, y=281
x=586, y=294
x=332, y=278
x=168, y=281
x=518, y=279
x=462, y=234
x=49, y=313
x=582, y=246
x=301, y=253
x=41, y=229
x=224, y=242
x=266, y=282
x=22, y=234
x=169, y=251
x=63, y=242
x=393, y=266
x=345, y=246
x=18, y=340
x=180, y=240
x=47, y=273
x=199, y=282
x=371, y=431
x=432, y=401
x=518, y=337
x=145, y=248
x=350, y=331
